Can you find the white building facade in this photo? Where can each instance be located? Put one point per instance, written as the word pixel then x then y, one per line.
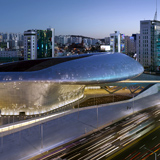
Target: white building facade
pixel 39 43
pixel 115 42
pixel 148 52
pixel 30 45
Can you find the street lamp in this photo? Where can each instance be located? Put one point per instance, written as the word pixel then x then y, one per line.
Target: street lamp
pixel 133 102
pixel 78 104
pixel 41 137
pixel 152 152
pixel 96 108
pixel 97 115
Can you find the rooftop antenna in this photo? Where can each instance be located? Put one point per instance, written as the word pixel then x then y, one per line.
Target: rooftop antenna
pixel 155 16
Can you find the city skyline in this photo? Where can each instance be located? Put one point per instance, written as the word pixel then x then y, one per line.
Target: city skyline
pixel 96 19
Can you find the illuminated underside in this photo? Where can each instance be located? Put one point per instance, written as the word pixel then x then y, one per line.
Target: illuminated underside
pixel 36 97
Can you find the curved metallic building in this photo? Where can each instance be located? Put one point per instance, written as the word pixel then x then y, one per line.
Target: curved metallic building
pixel 39 86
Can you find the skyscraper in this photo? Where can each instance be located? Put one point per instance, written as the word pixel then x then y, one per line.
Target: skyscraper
pixel 130 45
pixel 30 44
pixel 117 42
pixel 148 52
pixel 38 44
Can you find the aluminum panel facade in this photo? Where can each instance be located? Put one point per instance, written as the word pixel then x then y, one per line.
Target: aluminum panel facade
pixel 36 92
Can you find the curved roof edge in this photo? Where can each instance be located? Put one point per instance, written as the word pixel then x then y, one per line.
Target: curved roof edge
pixel 85 69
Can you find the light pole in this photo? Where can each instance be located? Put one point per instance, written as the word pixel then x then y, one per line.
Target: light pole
pixel 20 137
pixel 41 137
pixel 78 105
pixel 152 152
pixel 97 115
pixel 133 102
pixel 96 109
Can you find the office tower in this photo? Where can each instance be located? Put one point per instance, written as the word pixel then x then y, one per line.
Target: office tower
pixel 138 46
pixel 117 42
pixel 30 44
pixel 122 43
pixel 38 44
pixel 45 43
pixel 130 45
pixel 5 37
pixel 148 52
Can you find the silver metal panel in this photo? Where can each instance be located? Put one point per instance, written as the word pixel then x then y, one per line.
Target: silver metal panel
pixel 36 97
pixel 97 68
pixel 44 90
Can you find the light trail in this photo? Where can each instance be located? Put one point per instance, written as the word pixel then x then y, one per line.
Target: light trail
pixel 74 156
pixel 135 156
pixel 101 142
pixel 134 119
pixel 89 154
pixel 138 128
pixel 108 153
pixel 95 154
pixel 130 155
pixel 126 129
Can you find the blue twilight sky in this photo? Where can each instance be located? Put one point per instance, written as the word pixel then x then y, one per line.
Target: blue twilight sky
pixel 94 18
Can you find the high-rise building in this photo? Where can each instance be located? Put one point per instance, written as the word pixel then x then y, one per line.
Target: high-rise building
pixel 148 52
pixel 6 37
pixel 38 44
pixel 76 39
pixel 122 43
pixel 117 42
pixel 45 43
pixel 1 38
pixel 138 47
pixel 62 39
pixel 130 45
pixel 30 45
pixel 89 41
pixel 107 40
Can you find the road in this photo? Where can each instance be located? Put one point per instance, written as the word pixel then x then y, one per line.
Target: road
pixel 111 139
pixel 142 149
